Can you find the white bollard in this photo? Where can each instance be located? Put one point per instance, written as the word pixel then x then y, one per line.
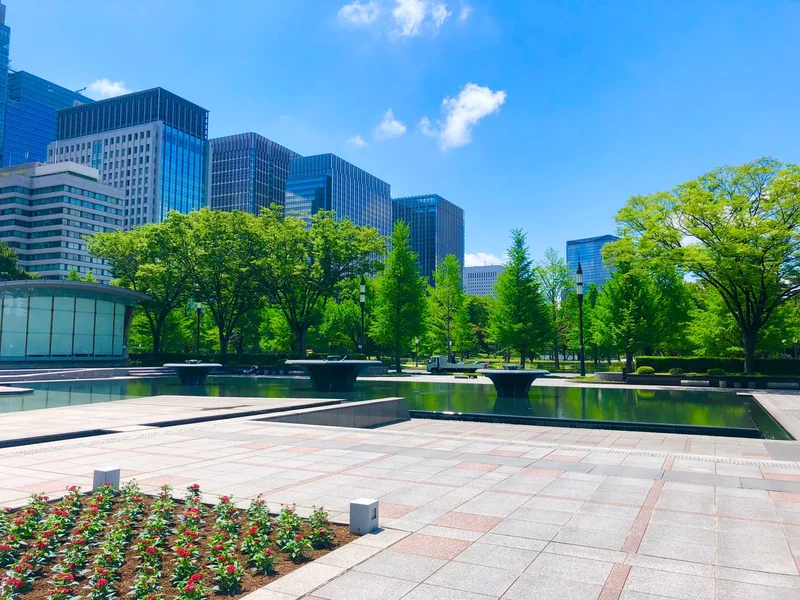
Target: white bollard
pixel 105 475
pixel 363 516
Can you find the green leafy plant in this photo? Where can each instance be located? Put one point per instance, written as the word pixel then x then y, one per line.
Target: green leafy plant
pixel 716 372
pixel 645 371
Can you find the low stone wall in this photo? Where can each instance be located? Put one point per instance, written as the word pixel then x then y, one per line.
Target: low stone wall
pixel 369 413
pixel 609 376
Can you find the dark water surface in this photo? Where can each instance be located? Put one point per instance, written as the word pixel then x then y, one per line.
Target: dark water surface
pixel 640 406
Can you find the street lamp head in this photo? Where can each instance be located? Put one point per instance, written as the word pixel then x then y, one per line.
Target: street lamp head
pixel 363 289
pixel 579 279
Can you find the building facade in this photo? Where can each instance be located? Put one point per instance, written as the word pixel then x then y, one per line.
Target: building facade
pixel 52 321
pixel 479 281
pixel 5 43
pixel 31 116
pixel 151 145
pixel 589 252
pixel 437 229
pixel 45 212
pixel 326 182
pixel 248 172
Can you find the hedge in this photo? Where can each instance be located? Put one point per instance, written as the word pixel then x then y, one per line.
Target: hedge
pixel 701 364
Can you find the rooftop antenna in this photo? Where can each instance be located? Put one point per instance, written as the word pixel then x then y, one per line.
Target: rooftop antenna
pixel 83 89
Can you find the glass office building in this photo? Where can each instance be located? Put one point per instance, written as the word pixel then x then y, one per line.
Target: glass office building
pixel 47 321
pixel 326 182
pixel 5 42
pixel 248 172
pixel 589 252
pixel 437 229
pixel 31 116
pixel 153 145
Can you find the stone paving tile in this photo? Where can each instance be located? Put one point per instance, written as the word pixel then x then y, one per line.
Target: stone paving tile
pixel 551 587
pixel 734 590
pixel 431 546
pixel 472 578
pixel 400 565
pixel 670 585
pixel 355 585
pixel 468 521
pixel 432 592
pixel 526 529
pixel 500 557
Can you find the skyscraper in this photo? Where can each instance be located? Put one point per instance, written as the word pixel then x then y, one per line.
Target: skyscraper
pixel 437 229
pixel 31 116
pixel 5 41
pixel 589 251
pixel 248 172
pixel 151 144
pixel 48 209
pixel 326 182
pixel 479 281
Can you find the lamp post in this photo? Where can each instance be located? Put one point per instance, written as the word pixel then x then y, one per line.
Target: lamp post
pixel 579 288
pixel 362 301
pixel 199 308
pixel 416 351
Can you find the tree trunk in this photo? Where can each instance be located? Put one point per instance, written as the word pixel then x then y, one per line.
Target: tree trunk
pixel 629 360
pixel 223 344
pixel 749 343
pixel 301 341
pixel 397 367
pixel 522 358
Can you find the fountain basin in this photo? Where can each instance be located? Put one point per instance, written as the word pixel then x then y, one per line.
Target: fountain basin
pixel 193 374
pixel 333 375
pixel 512 383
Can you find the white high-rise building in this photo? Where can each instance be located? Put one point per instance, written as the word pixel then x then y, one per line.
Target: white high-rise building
pixel 479 281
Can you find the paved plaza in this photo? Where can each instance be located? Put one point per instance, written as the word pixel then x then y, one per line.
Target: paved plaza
pixel 476 511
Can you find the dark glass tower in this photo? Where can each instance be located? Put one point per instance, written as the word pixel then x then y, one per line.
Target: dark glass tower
pixel 437 229
pixel 248 172
pixel 5 41
pixel 31 116
pixel 326 182
pixel 589 252
pixel 152 144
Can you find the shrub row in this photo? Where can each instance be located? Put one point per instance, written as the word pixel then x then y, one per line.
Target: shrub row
pixel 702 364
pixel 228 360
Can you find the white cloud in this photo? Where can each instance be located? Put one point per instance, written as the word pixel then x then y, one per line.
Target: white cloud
pixel 466 11
pixel 356 142
pixel 360 14
pixel 480 259
pixel 408 16
pixel 462 113
pixel 389 127
pixel 439 15
pixel 105 88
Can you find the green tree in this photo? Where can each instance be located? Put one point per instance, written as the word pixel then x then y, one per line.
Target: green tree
pixel 478 311
pixel 400 306
pixel 520 319
pixel 556 281
pixel 300 266
pixel 736 229
pixel 73 275
pixel 216 250
pixel 341 322
pixel 143 259
pixel 448 321
pixel 626 312
pixel 9 271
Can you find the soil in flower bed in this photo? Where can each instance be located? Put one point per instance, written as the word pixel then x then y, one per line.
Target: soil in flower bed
pixel 116 544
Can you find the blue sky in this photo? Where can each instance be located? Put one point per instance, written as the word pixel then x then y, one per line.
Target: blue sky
pixel 573 107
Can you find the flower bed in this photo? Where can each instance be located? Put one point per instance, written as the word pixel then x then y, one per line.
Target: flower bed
pixel 121 543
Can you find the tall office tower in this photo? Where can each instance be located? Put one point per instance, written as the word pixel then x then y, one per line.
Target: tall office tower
pixel 31 116
pixel 437 229
pixel 45 212
pixel 5 41
pixel 589 251
pixel 153 145
pixel 326 182
pixel 248 172
pixel 479 281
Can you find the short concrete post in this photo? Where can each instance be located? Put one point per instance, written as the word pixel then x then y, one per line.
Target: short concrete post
pixel 104 476
pixel 363 516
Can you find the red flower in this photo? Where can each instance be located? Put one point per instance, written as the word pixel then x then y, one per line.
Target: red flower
pixel 220 558
pixel 218 547
pixel 73 488
pixel 102 570
pixel 183 552
pixel 4 547
pixel 101 582
pixel 15 583
pixel 230 569
pixel 195 577
pixel 224 500
pixel 253 530
pixel 298 538
pixel 62 590
pixel 19 521
pixel 190 588
pixel 151 550
pixel 194 486
pixel 269 552
pixel 79 542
